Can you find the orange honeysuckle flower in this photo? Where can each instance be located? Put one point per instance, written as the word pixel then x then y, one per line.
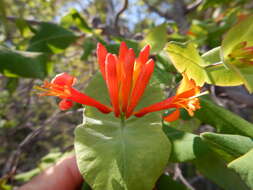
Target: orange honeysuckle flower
pixel 186 97
pixel 242 53
pixel 190 33
pixel 126 78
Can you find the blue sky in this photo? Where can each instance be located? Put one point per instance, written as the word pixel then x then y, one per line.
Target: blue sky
pixel 135 12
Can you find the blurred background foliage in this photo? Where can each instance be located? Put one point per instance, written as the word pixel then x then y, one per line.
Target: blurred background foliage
pixel 41 38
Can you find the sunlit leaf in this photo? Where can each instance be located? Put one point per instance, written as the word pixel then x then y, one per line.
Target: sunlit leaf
pixel 217 73
pixel 23 27
pixel 112 154
pixel 244 167
pixel 221 76
pixel 229 147
pixel 156 37
pixel 74 18
pixel 185 58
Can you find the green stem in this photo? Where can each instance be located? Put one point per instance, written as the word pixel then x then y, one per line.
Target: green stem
pixel 123 119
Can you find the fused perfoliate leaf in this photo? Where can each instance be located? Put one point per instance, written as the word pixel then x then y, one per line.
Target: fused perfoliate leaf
pixel 113 155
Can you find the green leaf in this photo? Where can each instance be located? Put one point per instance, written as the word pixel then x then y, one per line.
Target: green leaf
pixel 229 147
pixel 23 64
pixel 223 120
pixel 26 176
pixel 185 122
pixel 23 27
pixel 212 3
pixel 115 155
pixel 166 182
pixel 215 169
pixel 45 162
pixel 185 146
pixel 12 84
pixel 85 186
pixel 185 58
pixel 164 70
pixel 3 16
pixel 88 47
pixel 51 38
pixel 156 37
pixel 244 167
pixel 74 18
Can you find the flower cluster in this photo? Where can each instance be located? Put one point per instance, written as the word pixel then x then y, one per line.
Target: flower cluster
pixel 126 78
pixel 242 53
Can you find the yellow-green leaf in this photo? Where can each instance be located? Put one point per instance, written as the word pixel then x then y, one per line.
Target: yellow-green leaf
pixel 156 37
pixel 185 58
pixel 244 167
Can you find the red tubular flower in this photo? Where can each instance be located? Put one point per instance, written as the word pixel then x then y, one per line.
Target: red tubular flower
pixel 186 97
pixel 62 87
pixel 112 81
pixel 126 78
pixel 101 53
pixel 140 86
pixel 128 66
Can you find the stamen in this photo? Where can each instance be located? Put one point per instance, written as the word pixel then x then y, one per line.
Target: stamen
pixel 200 94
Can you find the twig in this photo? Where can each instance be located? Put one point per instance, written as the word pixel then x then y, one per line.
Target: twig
pixel 12 161
pixel 157 11
pixel 192 6
pixel 214 97
pixel 196 179
pixel 178 174
pixel 116 22
pixel 177 13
